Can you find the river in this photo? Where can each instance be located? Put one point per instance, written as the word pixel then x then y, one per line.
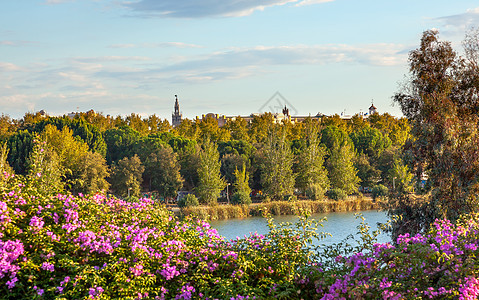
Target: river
pixel 339 224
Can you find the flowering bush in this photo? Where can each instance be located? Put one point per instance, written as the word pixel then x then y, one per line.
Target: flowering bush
pixel 97 247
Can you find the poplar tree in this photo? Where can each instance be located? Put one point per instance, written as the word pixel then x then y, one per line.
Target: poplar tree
pixel 312 176
pixel 210 181
pixel 277 175
pixel 341 170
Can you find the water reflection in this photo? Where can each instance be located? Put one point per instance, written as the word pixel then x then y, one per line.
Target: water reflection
pixel 339 224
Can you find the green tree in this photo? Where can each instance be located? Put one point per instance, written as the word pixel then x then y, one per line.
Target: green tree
pixel 126 176
pixel 260 127
pixel 367 173
pixel 162 171
pixel 238 129
pixel 20 145
pixel 136 122
pixel 92 176
pixel 277 174
pixel 4 166
pixel 119 142
pixel 370 141
pixel 332 135
pixel 341 170
pixel 312 176
pixel 441 103
pixel 88 133
pixel 241 183
pixel 7 127
pixel 210 182
pixel 401 177
pixel 45 170
pixel 70 152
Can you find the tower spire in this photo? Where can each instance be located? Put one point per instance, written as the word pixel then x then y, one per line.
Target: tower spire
pixel 176 116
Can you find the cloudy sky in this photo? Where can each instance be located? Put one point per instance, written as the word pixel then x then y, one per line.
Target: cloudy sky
pixel 224 56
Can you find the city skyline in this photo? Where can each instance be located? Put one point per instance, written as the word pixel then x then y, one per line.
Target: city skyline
pixel 227 57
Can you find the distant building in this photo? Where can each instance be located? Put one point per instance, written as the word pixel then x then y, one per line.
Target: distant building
pixel 372 109
pixel 221 119
pixel 176 117
pixel 43 113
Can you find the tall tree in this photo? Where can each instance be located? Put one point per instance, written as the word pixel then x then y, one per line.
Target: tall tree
pixel 277 174
pixel 210 182
pixel 241 184
pixel 312 176
pixel 126 176
pixel 93 172
pixel 341 170
pixel 162 171
pixel 441 102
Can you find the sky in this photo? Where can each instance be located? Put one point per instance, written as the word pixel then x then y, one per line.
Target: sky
pixel 230 57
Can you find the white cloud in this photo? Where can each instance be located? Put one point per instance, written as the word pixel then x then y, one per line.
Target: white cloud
pixel 102 59
pixel 310 2
pixel 156 45
pixel 208 8
pixel 16 43
pixel 237 63
pixel 5 66
pixel 51 2
pixel 462 21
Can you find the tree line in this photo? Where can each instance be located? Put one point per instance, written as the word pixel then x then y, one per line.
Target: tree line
pixel 130 155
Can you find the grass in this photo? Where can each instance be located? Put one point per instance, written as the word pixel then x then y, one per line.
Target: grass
pixel 221 212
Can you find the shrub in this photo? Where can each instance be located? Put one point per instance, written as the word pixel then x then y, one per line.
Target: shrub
pixel 336 194
pixel 241 198
pixel 380 191
pixel 290 198
pixel 188 201
pixel 315 191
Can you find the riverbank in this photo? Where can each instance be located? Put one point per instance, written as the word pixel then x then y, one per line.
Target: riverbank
pixel 226 211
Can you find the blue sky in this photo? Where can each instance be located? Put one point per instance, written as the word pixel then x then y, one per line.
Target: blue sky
pixel 223 56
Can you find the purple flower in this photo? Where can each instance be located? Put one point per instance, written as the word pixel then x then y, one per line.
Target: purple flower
pixel 36 222
pixel 48 267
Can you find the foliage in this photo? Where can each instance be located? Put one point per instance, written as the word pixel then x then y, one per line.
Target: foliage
pixel 240 197
pixel 277 173
pixel 401 177
pixel 119 142
pixel 341 170
pixel 45 170
pixel 312 177
pixel 70 152
pixel 440 101
pixel 126 176
pixel 93 173
pixel 336 194
pixel 367 173
pixel 380 191
pixel 162 170
pixel 20 145
pixel 4 166
pixel 241 181
pixel 87 132
pixel 189 200
pixel 210 182
pixel 370 141
pixel 67 247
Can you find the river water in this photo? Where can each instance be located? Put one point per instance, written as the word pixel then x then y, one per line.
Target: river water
pixel 339 224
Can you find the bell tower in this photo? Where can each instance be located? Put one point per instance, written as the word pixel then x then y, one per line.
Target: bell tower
pixel 176 117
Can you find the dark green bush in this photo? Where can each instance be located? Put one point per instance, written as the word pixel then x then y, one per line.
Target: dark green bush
pixel 290 198
pixel 188 201
pixel 336 194
pixel 240 198
pixel 315 191
pixel 380 191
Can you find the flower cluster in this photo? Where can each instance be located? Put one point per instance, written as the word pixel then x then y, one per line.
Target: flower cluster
pixel 99 247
